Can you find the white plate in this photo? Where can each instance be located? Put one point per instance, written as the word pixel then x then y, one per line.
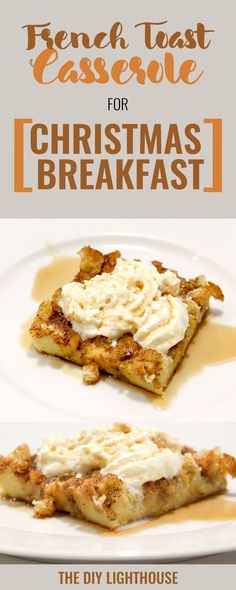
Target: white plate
pixel 34 377
pixel 66 539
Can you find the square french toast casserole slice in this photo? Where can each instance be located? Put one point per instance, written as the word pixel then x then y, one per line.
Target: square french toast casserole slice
pixel 113 476
pixel 139 357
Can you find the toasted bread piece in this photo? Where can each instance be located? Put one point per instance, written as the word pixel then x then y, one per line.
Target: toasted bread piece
pixel 126 360
pixel 19 477
pixel 105 499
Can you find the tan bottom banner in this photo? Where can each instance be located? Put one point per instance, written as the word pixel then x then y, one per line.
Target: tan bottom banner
pixel 104 576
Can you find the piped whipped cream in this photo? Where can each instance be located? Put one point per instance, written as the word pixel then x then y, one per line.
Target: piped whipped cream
pixel 133 298
pixel 130 452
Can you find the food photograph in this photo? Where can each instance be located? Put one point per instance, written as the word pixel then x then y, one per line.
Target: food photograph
pixel 116 324
pixel 119 342
pixel 77 492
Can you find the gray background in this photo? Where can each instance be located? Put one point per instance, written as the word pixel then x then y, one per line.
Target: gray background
pixel 212 96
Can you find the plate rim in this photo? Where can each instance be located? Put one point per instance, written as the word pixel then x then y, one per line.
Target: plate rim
pixel 103 235
pixel 128 554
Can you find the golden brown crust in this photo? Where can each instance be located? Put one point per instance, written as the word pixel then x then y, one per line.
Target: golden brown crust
pixel 230 464
pixel 210 463
pixel 20 461
pixel 51 322
pixel 93 262
pixel 45 507
pixel 91 373
pixel 19 477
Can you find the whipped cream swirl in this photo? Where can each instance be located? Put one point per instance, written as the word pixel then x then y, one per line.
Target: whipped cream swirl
pixel 133 298
pixel 136 455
